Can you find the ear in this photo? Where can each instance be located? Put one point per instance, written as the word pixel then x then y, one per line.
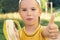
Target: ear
pixel 40 12
pixel 20 14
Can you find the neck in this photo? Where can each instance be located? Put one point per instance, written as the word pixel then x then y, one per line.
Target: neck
pixel 31 28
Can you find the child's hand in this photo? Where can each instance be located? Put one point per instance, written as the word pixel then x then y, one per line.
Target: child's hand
pixel 16 33
pixel 52 28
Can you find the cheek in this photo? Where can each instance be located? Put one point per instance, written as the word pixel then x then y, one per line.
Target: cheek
pixel 23 16
pixel 36 13
pixel 36 16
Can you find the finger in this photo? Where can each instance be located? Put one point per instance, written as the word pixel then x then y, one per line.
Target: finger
pixel 53 31
pixel 53 36
pixel 53 26
pixel 16 32
pixel 15 29
pixel 52 18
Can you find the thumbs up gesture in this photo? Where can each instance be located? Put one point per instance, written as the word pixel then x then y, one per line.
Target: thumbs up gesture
pixel 52 29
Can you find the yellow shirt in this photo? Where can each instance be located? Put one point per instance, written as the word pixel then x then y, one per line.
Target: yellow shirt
pixel 36 35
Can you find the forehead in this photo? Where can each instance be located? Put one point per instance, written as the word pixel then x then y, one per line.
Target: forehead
pixel 29 3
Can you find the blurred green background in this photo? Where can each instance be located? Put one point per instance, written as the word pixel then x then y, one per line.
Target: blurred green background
pixel 9 10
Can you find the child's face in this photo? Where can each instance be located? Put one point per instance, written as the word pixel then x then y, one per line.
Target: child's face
pixel 29 11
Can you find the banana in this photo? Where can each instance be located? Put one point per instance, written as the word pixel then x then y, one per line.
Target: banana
pixel 8 29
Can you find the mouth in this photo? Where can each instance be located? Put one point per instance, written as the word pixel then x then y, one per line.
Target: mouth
pixel 29 19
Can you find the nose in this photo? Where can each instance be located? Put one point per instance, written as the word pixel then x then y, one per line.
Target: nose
pixel 29 13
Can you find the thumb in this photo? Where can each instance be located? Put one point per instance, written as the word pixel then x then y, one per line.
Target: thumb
pixel 52 19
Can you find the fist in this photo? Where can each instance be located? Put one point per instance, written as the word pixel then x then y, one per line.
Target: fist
pixel 52 28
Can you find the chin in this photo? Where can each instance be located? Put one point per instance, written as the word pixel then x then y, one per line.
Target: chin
pixel 30 24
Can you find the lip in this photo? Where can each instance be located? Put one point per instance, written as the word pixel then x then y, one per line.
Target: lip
pixel 29 19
